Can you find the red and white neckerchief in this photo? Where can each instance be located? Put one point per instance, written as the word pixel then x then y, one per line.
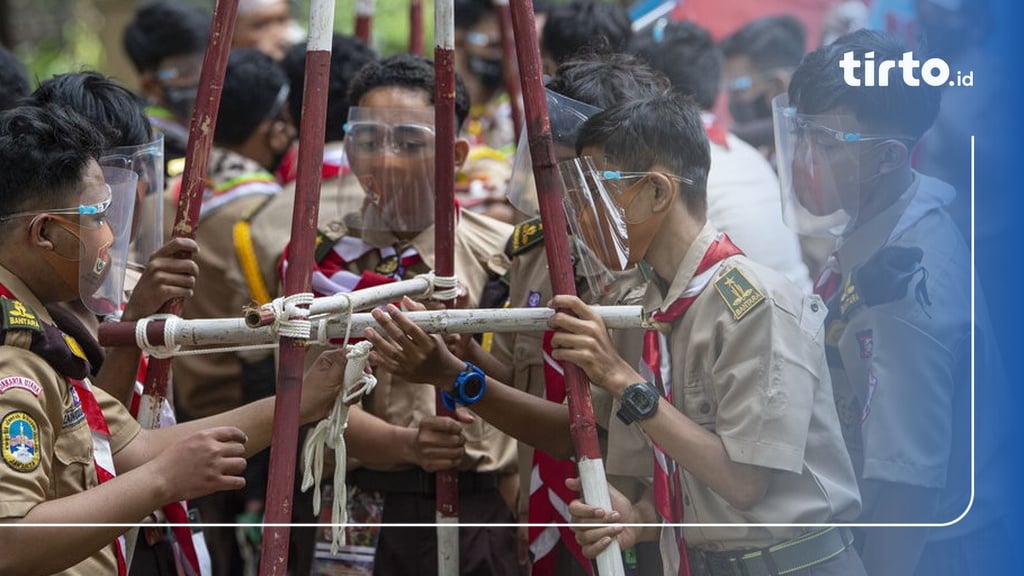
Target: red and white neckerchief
pixel 828 281
pixel 716 131
pixel 190 545
pixel 668 485
pixel 549 498
pixel 102 456
pixel 335 165
pixel 331 275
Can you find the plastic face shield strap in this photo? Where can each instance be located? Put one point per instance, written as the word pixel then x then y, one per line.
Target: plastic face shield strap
pixel 567 116
pixel 104 249
pixel 391 153
pixel 147 161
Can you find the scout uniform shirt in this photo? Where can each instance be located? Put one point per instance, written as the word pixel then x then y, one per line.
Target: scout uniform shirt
pixel 209 384
pixel 46 442
pixel 899 360
pixel 749 366
pixel 477 239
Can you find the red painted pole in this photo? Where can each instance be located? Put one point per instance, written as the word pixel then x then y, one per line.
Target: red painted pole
pixel 510 66
pixel 197 159
pixel 416 27
pixel 274 555
pixel 447 485
pixel 556 243
pixel 364 19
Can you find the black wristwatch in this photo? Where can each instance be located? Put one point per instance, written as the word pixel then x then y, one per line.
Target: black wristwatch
pixel 469 387
pixel 639 402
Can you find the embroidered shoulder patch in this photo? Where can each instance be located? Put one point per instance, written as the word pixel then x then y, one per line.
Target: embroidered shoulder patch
pixel 525 236
pixel 19 435
pixel 739 294
pixel 13 382
pixel 17 316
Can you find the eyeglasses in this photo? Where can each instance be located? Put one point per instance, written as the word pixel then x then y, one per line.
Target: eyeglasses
pixel 374 138
pixel 819 134
pixel 619 183
pixel 97 212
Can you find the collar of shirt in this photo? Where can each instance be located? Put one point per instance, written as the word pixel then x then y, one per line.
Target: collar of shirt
pixel 688 266
pixel 24 294
pixel 868 238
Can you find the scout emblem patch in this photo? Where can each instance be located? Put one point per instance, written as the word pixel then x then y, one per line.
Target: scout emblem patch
pixel 16 316
pixel 533 300
pixel 11 382
pixel 74 414
pixel 387 266
pixel 739 294
pixel 867 343
pixel 19 435
pixel 526 235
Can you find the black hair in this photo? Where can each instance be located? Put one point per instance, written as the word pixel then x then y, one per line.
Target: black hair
pixel 163 29
pixel 409 72
pixel 43 156
pixel 770 42
pixel 13 80
pixel 686 54
pixel 663 130
pixel 252 85
pixel 583 26
pixel 111 108
pixel 348 55
pixel 607 79
pixel 469 13
pixel 818 87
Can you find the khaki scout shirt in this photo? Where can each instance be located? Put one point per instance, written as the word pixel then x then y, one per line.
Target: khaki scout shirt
pixel 903 361
pixel 209 384
pixel 33 394
pixel 477 239
pixel 760 383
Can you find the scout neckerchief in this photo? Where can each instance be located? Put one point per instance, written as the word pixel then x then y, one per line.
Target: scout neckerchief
pixel 232 176
pixel 335 165
pixel 668 486
pixel 63 354
pixel 716 132
pixel 331 273
pixel 549 498
pixel 190 543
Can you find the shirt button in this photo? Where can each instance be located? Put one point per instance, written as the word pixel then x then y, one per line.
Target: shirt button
pixel 686 499
pixel 814 307
pixel 705 408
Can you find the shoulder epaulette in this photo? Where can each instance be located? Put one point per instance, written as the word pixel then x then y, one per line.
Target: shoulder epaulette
pixel 525 236
pixel 58 349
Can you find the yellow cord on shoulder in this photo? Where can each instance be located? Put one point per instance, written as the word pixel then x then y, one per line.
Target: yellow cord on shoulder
pixel 242 236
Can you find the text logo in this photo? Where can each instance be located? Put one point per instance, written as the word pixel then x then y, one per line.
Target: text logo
pixel 869 73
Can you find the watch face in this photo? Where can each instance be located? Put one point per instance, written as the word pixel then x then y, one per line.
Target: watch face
pixel 642 402
pixel 472 386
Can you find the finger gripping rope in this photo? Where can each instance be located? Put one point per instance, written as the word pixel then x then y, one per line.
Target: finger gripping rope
pixel 330 432
pixel 444 287
pixel 170 347
pixel 291 315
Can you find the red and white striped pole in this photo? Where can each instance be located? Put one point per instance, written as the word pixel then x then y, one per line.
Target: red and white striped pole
pixel 510 66
pixel 292 351
pixel 364 19
pixel 556 244
pixel 444 258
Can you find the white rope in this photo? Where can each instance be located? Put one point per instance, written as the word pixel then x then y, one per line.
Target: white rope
pixel 170 347
pixel 330 432
pixel 291 315
pixel 444 287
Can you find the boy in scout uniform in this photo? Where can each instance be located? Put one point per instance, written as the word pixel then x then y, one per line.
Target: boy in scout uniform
pixel 71 453
pixel 899 335
pixel 734 393
pixel 390 148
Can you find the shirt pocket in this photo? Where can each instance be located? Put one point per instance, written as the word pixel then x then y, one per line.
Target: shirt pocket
pixel 73 461
pixel 698 399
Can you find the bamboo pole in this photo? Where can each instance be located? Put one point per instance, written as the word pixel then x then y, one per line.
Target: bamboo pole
pixel 416 27
pixel 556 244
pixel 364 19
pixel 209 332
pixel 280 484
pixel 447 485
pixel 510 65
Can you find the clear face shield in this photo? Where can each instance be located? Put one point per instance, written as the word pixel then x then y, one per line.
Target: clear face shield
pixel 604 207
pixel 566 116
pixel 820 171
pixel 147 226
pixel 391 153
pixel 105 234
